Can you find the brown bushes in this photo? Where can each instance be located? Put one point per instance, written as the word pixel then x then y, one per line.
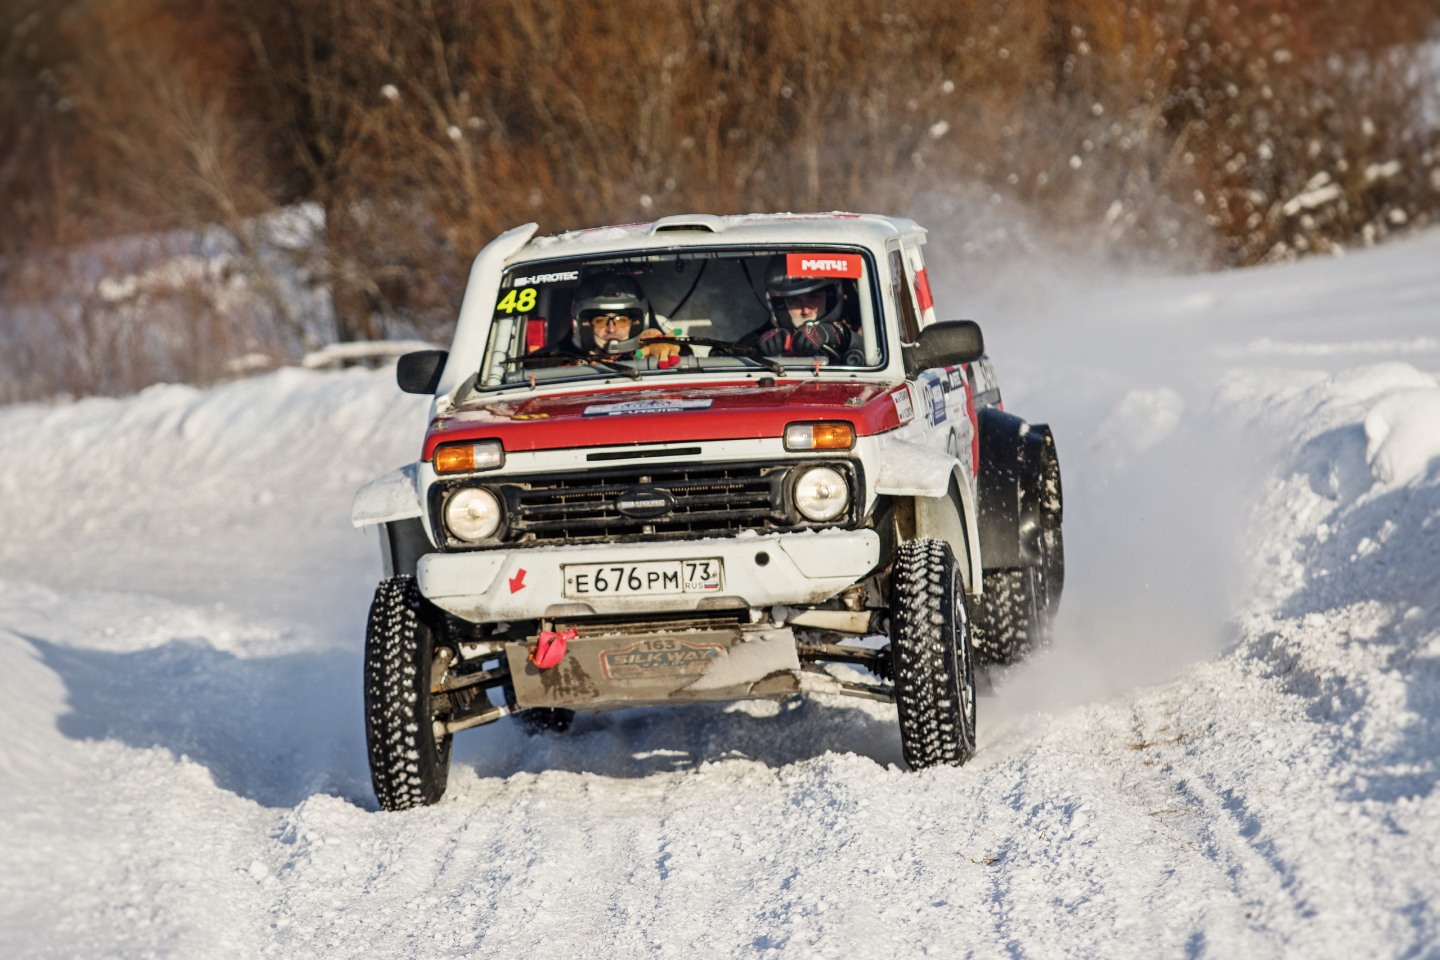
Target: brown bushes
pixel 1212 132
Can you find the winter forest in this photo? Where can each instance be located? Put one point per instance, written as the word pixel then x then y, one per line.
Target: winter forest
pixel 194 190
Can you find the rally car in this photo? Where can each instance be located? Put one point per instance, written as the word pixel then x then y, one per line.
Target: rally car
pixel 704 458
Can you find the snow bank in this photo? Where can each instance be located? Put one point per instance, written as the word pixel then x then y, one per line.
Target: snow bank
pixel 193 494
pixel 1402 435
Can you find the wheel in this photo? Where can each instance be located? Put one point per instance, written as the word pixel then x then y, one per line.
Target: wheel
pixel 409 761
pixel 1052 539
pixel 930 649
pixel 1013 618
pixel 1019 604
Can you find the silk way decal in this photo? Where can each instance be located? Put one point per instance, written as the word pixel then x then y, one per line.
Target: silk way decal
pixel 643 406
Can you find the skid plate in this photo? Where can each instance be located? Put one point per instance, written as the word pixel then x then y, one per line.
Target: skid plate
pixel 692 666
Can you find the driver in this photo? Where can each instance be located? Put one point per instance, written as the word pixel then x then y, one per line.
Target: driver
pixel 805 316
pixel 608 308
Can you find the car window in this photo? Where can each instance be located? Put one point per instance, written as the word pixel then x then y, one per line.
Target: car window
pixel 740 308
pixel 900 287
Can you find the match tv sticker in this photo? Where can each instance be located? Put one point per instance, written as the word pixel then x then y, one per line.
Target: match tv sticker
pixel 643 406
pixel 846 265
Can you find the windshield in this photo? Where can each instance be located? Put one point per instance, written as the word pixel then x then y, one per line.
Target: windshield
pixel 639 315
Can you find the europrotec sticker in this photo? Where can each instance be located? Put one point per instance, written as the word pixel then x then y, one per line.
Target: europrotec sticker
pixel 565 276
pixel 643 406
pixel 844 265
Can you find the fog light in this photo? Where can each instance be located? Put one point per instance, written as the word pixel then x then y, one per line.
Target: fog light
pixel 821 494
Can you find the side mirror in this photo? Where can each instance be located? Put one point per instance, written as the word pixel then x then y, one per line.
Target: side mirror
pixel 945 345
pixel 419 372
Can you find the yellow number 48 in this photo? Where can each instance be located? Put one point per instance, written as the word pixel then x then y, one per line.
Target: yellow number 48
pixel 522 300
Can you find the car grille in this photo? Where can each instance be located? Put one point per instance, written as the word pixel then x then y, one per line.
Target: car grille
pixel 709 501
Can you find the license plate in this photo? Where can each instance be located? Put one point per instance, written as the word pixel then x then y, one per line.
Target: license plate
pixel 642 579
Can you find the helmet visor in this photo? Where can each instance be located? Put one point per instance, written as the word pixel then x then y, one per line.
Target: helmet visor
pixel 601 320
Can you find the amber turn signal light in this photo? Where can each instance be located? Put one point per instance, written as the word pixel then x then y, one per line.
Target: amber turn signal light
pixel 819 436
pixel 469 457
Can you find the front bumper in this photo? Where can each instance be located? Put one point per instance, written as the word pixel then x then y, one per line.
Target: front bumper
pixel 487 586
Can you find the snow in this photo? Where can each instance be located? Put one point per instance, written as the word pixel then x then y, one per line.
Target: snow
pixel 1402 435
pixel 1231 750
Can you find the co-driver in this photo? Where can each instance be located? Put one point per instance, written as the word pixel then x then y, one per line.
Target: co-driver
pixel 805 316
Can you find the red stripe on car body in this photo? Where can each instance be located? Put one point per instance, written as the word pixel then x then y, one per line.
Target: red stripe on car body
pixel 922 290
pixel 733 411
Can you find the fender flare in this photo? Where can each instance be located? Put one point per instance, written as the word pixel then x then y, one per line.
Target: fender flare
pixel 390 504
pixel 1010 484
pixel 951 517
pixel 402 545
pixel 392 496
pixel 944 503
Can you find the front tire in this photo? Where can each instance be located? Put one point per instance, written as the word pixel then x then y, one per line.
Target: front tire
pixel 933 662
pixel 409 762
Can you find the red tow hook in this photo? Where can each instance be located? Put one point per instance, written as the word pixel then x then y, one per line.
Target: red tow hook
pixel 549 647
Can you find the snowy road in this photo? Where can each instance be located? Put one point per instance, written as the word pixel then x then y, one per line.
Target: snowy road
pixel 1231 751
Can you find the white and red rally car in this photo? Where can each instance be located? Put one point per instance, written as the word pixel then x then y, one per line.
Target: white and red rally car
pixel 703 459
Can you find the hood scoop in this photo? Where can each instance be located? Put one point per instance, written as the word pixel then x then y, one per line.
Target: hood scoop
pixel 701 222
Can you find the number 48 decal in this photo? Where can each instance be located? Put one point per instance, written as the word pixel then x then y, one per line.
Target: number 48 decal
pixel 522 300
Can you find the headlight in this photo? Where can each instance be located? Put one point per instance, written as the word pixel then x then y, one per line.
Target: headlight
pixel 821 494
pixel 473 514
pixel 469 457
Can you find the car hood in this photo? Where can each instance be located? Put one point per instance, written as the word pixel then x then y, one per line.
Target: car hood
pixel 750 409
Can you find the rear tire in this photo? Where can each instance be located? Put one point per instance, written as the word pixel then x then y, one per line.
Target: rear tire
pixel 1019 604
pixel 932 658
pixel 1013 618
pixel 409 763
pixel 1052 515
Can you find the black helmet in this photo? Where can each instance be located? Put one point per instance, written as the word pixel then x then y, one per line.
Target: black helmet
pixel 779 286
pixel 607 293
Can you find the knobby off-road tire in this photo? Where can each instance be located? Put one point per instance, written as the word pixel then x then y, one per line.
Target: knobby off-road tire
pixel 1013 616
pixel 930 647
pixel 1052 538
pixel 1019 604
pixel 409 764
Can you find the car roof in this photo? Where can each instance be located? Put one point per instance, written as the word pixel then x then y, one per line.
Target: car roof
pixel 708 230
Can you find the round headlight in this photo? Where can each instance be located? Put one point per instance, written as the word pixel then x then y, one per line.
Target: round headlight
pixel 473 514
pixel 821 494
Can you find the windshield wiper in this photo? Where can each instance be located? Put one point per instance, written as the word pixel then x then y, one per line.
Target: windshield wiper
pixel 565 359
pixel 729 348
